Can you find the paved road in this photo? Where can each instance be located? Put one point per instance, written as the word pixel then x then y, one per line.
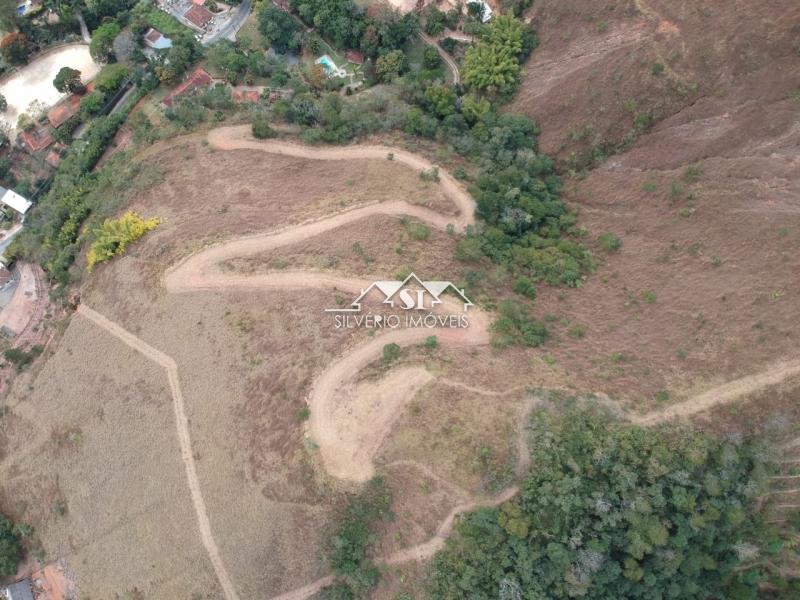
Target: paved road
pixel 445 56
pixel 234 24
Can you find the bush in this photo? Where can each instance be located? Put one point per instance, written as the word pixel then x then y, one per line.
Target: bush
pixel 10 548
pixel 261 128
pixel 20 358
pixel 391 352
pixel 609 242
pixel 524 286
pixel 431 342
pixel 110 78
pixel 347 546
pixel 417 231
pixel 516 326
pixel 115 235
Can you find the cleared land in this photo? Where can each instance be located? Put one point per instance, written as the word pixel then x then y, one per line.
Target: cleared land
pixel 34 81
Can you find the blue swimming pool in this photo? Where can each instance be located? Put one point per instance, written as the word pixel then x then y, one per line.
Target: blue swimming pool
pixel 327 63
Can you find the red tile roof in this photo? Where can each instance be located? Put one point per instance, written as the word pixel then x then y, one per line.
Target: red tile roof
pixel 354 56
pixel 241 94
pixel 198 78
pixel 37 139
pixel 64 110
pixel 198 15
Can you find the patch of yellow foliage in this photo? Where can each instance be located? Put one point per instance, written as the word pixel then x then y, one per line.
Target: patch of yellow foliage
pixel 114 236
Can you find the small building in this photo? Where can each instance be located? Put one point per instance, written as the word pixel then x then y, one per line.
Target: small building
pixel 199 78
pixel 63 111
pixel 354 56
pixel 36 139
pixel 156 40
pixel 242 94
pixel 199 16
pixel 17 591
pixel 14 200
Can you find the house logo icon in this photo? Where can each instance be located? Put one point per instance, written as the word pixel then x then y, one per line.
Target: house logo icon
pixel 409 294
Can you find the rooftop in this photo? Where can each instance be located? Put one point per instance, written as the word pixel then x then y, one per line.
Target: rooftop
pixel 157 40
pixel 198 78
pixel 36 139
pixel 198 16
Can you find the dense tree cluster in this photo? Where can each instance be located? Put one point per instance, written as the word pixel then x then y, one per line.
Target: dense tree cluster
pixel 102 45
pixel 347 25
pixel 614 511
pixel 280 30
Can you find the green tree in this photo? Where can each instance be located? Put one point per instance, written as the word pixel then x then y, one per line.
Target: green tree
pixel 278 28
pixel 69 80
pixel 111 77
pixel 3 103
pixel 102 45
pixel 261 128
pixel 493 64
pixel 441 100
pixel 14 48
pixel 391 65
pixel 613 510
pixel 10 548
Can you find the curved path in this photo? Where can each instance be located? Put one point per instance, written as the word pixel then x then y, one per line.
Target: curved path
pixel 201 271
pixel 445 56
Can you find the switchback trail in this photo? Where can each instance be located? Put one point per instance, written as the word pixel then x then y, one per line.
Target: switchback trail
pixel 201 272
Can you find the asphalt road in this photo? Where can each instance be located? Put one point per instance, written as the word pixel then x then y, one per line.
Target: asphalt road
pixel 233 25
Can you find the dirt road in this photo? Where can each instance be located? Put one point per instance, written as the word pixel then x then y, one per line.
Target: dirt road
pixel 722 394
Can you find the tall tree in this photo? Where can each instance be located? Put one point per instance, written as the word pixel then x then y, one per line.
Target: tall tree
pixel 14 48
pixel 69 80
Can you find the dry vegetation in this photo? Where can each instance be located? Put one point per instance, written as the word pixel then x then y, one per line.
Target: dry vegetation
pixel 702 195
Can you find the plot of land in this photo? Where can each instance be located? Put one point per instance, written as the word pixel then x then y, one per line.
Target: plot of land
pixel 34 81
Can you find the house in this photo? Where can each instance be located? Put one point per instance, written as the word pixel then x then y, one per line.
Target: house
pixel 199 16
pixel 199 78
pixel 36 139
pixel 14 200
pixel 61 112
pixel 17 591
pixel 242 94
pixel 156 40
pixel 354 56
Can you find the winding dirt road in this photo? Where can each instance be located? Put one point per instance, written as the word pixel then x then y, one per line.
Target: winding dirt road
pixel 201 272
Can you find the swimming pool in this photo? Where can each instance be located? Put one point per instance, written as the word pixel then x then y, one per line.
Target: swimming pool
pixel 331 70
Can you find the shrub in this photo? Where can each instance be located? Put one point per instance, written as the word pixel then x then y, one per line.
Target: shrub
pixel 516 326
pixel 20 358
pixel 391 352
pixel 418 231
pixel 347 546
pixel 649 296
pixel 303 414
pixel 111 77
pixel 431 342
pixel 577 331
pixel 524 286
pixel 115 235
pixel 609 242
pixel 261 128
pixel 10 548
